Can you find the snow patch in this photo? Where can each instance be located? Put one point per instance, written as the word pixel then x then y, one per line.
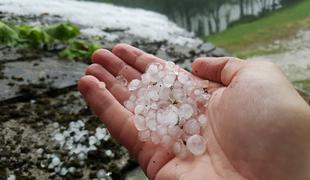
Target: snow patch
pixel 94 17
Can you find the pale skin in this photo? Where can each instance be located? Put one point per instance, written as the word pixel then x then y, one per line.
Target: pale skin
pixel 258 128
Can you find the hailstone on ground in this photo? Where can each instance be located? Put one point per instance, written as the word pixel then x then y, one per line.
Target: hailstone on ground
pixel 169 105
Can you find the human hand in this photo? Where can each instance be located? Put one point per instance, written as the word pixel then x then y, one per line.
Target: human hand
pixel 243 143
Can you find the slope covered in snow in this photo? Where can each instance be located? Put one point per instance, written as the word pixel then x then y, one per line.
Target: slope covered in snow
pixel 94 17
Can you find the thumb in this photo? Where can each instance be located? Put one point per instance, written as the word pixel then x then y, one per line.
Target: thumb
pixel 221 70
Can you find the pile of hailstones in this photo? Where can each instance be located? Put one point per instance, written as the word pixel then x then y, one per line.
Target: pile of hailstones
pixel 78 142
pixel 169 105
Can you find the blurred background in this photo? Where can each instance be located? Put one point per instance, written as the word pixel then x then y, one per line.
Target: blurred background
pixel 48 132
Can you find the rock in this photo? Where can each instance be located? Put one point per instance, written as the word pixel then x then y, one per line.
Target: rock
pixel 38 76
pixel 163 54
pixel 136 174
pixel 219 52
pixel 14 54
pixel 206 48
pixel 180 51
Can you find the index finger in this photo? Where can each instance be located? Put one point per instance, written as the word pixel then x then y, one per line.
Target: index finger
pixel 135 57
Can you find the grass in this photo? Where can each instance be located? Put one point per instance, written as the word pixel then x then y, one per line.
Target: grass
pixel 304 84
pixel 246 40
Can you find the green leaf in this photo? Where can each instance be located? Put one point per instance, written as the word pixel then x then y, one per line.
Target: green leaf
pixel 7 34
pixel 34 35
pixel 79 50
pixel 63 31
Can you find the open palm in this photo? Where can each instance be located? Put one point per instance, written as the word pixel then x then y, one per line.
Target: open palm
pixel 245 139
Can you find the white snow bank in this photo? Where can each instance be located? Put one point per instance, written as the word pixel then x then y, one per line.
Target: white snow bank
pixel 97 16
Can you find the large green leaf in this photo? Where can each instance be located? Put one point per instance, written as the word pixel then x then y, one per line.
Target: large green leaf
pixel 63 31
pixel 79 50
pixel 34 35
pixel 7 34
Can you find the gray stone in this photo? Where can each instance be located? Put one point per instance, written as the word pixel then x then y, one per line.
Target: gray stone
pixel 206 48
pixel 163 55
pixel 13 54
pixel 40 75
pixel 219 52
pixel 136 174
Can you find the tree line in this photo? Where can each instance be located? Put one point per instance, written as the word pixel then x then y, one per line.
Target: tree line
pixel 183 11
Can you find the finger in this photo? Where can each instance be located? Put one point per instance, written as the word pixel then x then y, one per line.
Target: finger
pixel 114 64
pixel 118 90
pixel 135 57
pixel 117 119
pixel 221 70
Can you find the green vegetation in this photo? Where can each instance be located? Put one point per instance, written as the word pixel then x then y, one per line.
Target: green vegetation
pixel 304 84
pixel 45 37
pixel 247 39
pixel 7 34
pixel 79 50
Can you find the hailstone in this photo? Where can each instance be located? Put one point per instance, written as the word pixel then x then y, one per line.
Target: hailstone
pixel 169 106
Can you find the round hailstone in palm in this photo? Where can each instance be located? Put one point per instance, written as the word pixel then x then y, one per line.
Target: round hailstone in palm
pixel 164 93
pixel 198 92
pixel 132 97
pixel 161 130
pixel 154 106
pixel 139 109
pixel 144 135
pixel 130 105
pixel 155 138
pixel 153 94
pixel 140 123
pixel 183 77
pixel 169 65
pixel 175 131
pixel 186 111
pixel 202 119
pixel 101 85
pixel 146 78
pixel 169 79
pixel 178 94
pixel 151 124
pixel 171 118
pixel 152 69
pixel 192 127
pixel 196 144
pixel 134 85
pixel 122 80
